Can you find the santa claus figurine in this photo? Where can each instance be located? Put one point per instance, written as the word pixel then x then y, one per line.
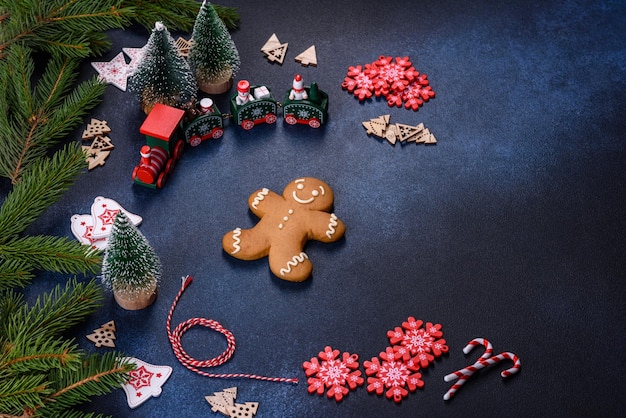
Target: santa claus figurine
pixel 297 89
pixel 243 93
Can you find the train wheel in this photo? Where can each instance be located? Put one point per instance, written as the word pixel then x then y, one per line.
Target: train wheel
pixel 135 172
pixel 291 119
pixel 314 123
pixel 247 124
pixel 271 118
pixel 178 149
pixel 195 140
pixel 217 133
pixel 161 180
pixel 169 166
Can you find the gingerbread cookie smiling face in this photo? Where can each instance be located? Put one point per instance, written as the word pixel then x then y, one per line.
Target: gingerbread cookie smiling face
pixel 287 223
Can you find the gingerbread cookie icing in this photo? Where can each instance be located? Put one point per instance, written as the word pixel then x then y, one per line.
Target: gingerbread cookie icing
pixel 286 223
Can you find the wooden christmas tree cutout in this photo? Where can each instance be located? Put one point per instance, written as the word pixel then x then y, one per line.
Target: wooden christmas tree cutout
pixel 274 50
pixel 103 336
pixel 224 403
pixel 101 146
pixel 183 46
pixel 94 128
pixel 271 44
pixel 398 132
pixel 308 57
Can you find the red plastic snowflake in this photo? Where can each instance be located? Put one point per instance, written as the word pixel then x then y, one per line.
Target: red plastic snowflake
pixel 359 82
pixel 333 373
pixel 392 376
pixel 394 79
pixel 413 343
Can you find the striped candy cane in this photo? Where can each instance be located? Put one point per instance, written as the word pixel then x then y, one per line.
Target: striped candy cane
pixel 469 370
pixel 484 361
pixel 192 364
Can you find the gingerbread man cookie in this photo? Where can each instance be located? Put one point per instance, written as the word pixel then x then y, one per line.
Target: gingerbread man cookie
pixel 287 223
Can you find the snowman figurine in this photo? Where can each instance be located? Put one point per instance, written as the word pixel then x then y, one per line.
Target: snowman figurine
pixel 243 93
pixel 297 89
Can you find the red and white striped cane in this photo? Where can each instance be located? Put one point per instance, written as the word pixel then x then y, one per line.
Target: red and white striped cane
pixel 484 361
pixel 192 364
pixel 469 370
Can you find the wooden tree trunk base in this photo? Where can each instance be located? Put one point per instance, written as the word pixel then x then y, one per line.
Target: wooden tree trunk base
pixel 136 301
pixel 216 88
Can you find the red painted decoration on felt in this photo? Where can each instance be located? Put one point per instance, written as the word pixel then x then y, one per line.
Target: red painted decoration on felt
pixel 394 79
pixel 332 373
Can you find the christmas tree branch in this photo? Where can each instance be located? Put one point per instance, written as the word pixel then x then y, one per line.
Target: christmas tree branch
pixel 51 314
pixel 75 28
pixel 99 375
pixel 38 118
pixel 40 186
pixel 62 26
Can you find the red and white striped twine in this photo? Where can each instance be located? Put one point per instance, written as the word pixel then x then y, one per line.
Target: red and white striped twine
pixel 484 361
pixel 192 364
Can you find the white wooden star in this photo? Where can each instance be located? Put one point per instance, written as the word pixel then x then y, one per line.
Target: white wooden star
pixel 135 55
pixel 113 72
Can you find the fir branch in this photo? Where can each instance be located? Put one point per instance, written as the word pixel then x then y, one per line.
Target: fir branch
pixel 76 28
pixel 51 314
pixel 15 274
pixel 40 355
pixel 40 186
pixel 97 376
pixel 62 27
pixel 50 253
pixel 36 120
pixel 18 391
pixel 181 17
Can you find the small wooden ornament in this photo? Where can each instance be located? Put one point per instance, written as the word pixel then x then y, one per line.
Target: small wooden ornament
pixel 97 159
pixel 247 409
pixel 102 143
pixel 407 132
pixel 271 44
pixel 308 57
pixel 224 403
pixel 183 46
pixel 104 336
pixel 399 132
pixel 278 54
pixel 431 138
pixel 94 128
pixel 391 135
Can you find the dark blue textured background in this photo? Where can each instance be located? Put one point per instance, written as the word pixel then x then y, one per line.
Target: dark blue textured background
pixel 510 228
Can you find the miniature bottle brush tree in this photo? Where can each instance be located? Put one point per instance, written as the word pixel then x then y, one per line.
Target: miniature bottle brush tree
pixel 213 57
pixel 131 267
pixel 163 75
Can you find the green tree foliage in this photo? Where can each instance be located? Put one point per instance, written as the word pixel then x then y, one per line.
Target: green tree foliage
pixel 130 264
pixel 42 374
pixel 76 28
pixel 163 75
pixel 213 56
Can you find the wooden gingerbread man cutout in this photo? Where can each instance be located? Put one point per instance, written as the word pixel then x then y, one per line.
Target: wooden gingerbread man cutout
pixel 286 223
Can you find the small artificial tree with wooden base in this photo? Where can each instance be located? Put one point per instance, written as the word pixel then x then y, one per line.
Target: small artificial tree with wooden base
pixel 213 57
pixel 163 75
pixel 131 267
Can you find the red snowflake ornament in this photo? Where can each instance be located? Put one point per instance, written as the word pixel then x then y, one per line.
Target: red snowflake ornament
pixel 396 80
pixel 421 345
pixel 359 82
pixel 392 376
pixel 332 373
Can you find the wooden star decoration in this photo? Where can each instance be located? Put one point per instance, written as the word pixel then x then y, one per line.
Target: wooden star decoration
pixel 113 72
